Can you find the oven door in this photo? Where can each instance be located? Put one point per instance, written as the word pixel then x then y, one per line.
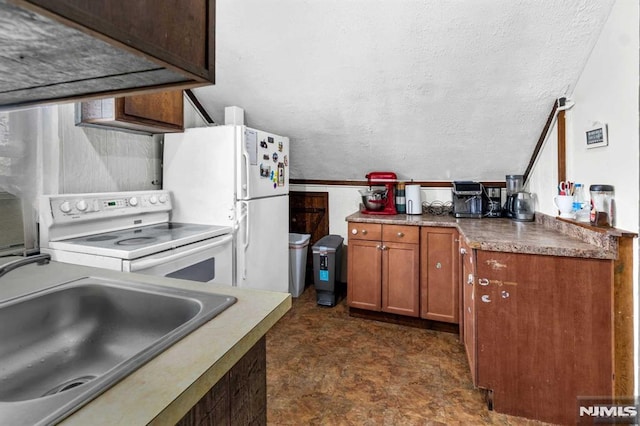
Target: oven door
pixel 205 261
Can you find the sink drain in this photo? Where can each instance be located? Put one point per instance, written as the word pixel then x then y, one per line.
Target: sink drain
pixel 69 384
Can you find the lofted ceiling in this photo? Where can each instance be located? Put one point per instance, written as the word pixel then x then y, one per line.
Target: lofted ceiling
pixel 431 89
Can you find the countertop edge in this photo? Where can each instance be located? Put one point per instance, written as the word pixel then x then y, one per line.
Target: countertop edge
pixel 185 401
pixel 568 244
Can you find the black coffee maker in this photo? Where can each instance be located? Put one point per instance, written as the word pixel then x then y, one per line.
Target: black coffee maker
pixel 491 201
pixel 515 184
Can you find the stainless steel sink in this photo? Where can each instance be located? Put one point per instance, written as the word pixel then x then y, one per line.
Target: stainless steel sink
pixel 63 346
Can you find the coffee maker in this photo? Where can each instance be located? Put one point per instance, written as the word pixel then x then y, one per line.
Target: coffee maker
pixel 382 200
pixel 491 202
pixel 519 205
pixel 515 184
pixel 467 199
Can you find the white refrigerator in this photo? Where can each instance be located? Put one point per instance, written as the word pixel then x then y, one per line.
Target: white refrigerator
pixel 237 176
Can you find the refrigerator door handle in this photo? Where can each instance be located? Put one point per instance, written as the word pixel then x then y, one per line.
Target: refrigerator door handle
pixel 245 177
pixel 245 241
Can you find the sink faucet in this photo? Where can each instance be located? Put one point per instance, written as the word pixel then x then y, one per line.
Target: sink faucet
pixel 40 259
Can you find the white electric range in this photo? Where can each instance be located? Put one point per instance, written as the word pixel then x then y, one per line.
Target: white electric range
pixel 131 232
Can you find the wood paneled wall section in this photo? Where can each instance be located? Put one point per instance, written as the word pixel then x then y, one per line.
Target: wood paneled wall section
pixel 623 318
pixel 309 214
pixel 562 147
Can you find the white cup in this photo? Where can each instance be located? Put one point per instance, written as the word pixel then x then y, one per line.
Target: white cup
pixel 564 203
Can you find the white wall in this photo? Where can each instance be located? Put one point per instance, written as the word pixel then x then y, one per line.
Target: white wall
pixel 99 160
pixel 607 92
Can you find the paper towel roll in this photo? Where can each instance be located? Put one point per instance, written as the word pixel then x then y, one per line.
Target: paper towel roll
pixel 414 203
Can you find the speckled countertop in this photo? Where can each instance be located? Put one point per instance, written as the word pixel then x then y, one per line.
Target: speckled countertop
pixel 162 390
pixel 506 235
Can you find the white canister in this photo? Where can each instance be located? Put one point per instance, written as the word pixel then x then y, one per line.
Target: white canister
pixel 414 202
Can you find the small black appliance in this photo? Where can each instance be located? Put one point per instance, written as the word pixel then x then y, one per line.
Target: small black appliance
pixel 467 199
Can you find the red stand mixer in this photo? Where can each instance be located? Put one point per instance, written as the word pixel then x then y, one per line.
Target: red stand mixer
pixel 380 201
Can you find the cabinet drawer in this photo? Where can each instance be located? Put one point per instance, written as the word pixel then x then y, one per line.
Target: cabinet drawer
pixel 401 234
pixel 365 231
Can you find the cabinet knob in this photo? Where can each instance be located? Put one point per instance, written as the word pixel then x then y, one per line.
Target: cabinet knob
pixel 463 250
pixel 354 231
pixel 384 248
pixel 470 279
pixel 400 234
pixel 438 265
pixel 364 232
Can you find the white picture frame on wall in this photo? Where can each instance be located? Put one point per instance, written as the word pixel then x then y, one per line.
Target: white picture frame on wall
pixel 597 136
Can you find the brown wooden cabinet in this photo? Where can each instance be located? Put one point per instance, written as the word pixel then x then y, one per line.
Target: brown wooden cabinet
pixel 149 113
pixel 80 49
pixel 239 397
pixel 439 270
pixel 401 270
pixel 468 320
pixel 383 268
pixel 543 332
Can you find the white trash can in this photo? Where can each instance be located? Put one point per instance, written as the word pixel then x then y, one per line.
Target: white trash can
pixel 298 246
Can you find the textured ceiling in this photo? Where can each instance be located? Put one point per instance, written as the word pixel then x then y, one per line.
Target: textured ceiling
pixel 430 89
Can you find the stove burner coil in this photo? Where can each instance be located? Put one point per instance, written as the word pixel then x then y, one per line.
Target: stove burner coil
pixel 135 241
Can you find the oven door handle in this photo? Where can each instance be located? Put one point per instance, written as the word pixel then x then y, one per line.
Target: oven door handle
pixel 140 265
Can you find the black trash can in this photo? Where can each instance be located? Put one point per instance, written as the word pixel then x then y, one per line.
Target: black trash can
pixel 327 261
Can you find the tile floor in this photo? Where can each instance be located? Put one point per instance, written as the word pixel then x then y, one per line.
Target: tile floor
pixel 327 368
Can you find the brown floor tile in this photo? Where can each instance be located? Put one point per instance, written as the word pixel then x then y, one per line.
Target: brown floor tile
pixel 327 368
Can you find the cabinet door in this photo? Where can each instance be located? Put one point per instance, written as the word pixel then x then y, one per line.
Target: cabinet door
pixel 468 309
pixel 439 281
pixel 544 332
pixel 364 274
pixel 400 278
pixel 164 110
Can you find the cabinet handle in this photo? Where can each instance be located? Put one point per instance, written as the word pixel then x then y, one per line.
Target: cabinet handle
pixel 364 232
pixel 470 279
pixel 483 281
pixel 400 234
pixel 486 298
pixel 438 265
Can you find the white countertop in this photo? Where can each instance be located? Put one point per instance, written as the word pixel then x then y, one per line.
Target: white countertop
pixel 164 389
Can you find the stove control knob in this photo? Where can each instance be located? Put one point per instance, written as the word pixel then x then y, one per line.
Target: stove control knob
pixel 65 207
pixel 153 199
pixel 133 201
pixel 163 198
pixel 82 205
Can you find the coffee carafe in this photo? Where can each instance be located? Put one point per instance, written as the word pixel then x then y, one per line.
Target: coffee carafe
pixel 515 185
pixel 523 210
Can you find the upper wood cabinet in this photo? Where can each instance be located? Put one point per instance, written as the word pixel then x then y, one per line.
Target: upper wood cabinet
pixel 60 50
pixel 149 113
